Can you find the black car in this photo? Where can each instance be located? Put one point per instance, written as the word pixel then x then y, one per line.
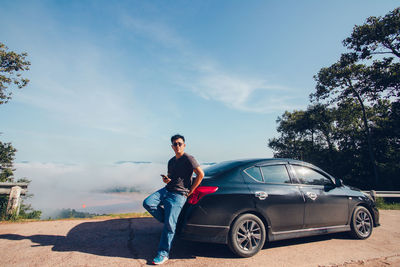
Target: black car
pixel 243 203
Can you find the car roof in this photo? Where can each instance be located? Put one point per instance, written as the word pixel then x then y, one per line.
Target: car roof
pixel 231 164
pixel 260 162
pixel 225 166
pixel 239 162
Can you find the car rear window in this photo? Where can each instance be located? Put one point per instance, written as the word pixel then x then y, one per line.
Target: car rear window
pixel 254 172
pixel 221 168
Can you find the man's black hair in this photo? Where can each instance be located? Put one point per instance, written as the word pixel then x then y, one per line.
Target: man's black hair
pixel 177 136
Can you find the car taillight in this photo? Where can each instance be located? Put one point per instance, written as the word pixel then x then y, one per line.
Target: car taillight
pixel 200 192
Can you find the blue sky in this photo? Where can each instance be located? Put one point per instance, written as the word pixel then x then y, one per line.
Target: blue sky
pixel 113 80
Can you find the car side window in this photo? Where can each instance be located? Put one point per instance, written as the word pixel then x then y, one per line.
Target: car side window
pixel 254 172
pixel 275 174
pixel 310 177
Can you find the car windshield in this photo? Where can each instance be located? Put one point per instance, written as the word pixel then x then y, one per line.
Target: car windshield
pixel 221 167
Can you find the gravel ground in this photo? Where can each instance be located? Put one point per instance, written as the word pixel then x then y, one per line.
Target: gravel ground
pixel 133 242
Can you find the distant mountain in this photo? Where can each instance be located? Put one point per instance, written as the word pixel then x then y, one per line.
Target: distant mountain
pixel 121 189
pixel 71 213
pixel 208 163
pixel 132 162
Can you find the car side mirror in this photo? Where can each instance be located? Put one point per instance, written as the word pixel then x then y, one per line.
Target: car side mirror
pixel 338 182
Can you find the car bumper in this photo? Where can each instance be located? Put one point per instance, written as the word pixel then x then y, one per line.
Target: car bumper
pixel 205 233
pixel 376 216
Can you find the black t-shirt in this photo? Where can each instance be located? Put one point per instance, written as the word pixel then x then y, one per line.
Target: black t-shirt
pixel 181 171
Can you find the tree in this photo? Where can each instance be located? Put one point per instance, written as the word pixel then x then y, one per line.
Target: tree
pixel 379 40
pixel 333 139
pixel 347 80
pixel 7 154
pixel 378 36
pixel 11 66
pixel 377 78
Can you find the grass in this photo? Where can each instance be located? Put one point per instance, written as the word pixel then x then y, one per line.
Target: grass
pixel 124 215
pixel 105 216
pixel 110 216
pixel 383 204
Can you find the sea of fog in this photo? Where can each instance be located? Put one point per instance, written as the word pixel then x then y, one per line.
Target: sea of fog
pixel 94 188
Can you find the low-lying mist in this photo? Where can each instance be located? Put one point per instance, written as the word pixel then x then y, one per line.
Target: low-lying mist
pixel 90 187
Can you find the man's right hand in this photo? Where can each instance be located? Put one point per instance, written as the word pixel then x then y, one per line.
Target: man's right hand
pixel 165 179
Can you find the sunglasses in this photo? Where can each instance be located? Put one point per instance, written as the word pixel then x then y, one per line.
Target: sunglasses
pixel 175 144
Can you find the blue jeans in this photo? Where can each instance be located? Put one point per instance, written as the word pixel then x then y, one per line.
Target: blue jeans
pixel 173 203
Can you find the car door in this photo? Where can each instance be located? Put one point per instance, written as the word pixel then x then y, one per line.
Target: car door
pixel 325 204
pixel 275 196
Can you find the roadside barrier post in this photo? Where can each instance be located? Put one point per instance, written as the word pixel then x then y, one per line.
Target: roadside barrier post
pixel 14 201
pixel 14 191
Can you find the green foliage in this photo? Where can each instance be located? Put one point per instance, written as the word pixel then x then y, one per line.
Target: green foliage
pixel 12 217
pixel 378 36
pixel 3 207
pixel 11 66
pixel 7 154
pixel 383 204
pixel 27 212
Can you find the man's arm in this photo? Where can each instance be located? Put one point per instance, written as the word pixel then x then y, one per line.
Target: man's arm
pixel 199 177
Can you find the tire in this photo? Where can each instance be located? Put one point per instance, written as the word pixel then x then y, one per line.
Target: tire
pixel 361 223
pixel 247 235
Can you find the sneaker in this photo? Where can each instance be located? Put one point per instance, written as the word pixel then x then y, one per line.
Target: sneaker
pixel 160 260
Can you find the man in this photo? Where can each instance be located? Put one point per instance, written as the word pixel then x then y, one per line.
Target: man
pixel 179 186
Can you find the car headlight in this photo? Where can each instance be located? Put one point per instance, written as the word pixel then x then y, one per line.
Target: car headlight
pixel 370 195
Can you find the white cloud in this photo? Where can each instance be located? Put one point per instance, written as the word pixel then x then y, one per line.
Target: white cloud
pixel 208 79
pixel 243 94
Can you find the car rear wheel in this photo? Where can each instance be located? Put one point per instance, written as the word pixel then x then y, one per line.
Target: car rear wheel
pixel 361 223
pixel 247 235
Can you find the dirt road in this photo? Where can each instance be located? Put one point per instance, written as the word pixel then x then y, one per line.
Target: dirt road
pixel 133 242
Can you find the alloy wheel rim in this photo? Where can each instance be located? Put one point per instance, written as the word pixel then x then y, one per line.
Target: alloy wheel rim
pixel 363 223
pixel 248 235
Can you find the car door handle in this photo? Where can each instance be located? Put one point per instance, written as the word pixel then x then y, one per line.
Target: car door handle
pixel 312 195
pixel 261 195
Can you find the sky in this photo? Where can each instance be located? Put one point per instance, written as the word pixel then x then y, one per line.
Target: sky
pixel 112 81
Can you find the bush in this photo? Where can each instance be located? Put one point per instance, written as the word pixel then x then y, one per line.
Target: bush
pixel 383 204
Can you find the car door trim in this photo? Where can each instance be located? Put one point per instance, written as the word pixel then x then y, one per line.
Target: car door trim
pixel 207 226
pixel 308 232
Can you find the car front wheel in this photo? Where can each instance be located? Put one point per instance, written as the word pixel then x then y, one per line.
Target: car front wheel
pixel 247 235
pixel 361 223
